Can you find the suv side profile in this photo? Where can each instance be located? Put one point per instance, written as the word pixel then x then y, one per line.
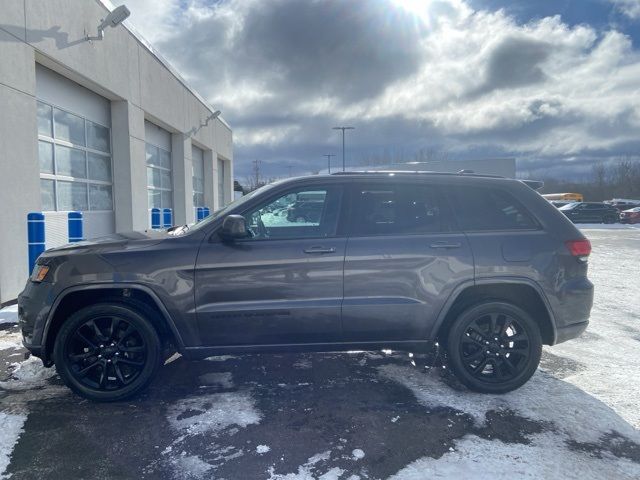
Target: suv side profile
pixel 594 212
pixel 482 265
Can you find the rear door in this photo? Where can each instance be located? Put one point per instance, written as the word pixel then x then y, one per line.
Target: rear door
pixel 283 285
pixel 403 260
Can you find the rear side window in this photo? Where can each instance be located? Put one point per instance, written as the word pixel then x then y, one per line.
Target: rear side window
pixel 393 209
pixel 482 208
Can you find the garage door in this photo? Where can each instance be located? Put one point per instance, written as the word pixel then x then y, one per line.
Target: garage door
pixel 74 149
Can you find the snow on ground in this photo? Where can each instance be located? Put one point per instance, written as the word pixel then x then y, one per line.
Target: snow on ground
pixel 27 375
pixel 213 413
pixel 11 426
pixel 310 470
pixel 9 314
pixel 547 457
pixel 216 379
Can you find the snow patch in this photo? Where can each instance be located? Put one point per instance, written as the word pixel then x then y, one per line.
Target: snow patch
pixel 9 314
pixel 221 358
pixel 190 466
pixel 308 471
pixel 12 425
pixel 546 457
pixel 28 374
pixel 10 340
pixel 543 398
pixel 213 413
pixel 357 454
pixel 262 449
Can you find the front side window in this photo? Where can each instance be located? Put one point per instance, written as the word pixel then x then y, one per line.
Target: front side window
pixel 484 208
pixel 396 209
pixel 301 213
pixel 75 161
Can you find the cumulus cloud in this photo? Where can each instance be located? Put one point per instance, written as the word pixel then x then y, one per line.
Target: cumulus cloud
pixel 630 8
pixel 408 74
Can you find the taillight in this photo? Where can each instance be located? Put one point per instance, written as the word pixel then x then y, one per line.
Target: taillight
pixel 579 248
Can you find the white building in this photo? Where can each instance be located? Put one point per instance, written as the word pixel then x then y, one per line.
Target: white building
pixel 105 127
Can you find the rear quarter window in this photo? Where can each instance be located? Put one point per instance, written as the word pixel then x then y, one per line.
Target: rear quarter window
pixel 485 208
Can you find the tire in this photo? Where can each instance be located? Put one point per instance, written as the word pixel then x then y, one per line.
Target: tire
pixel 609 220
pixel 107 352
pixel 485 365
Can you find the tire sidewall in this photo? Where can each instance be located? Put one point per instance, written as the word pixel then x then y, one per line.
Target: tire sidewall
pixel 460 325
pixel 144 327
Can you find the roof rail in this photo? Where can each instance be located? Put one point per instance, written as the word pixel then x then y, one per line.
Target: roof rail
pixel 466 173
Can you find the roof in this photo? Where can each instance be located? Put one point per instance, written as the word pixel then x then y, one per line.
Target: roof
pixel 145 43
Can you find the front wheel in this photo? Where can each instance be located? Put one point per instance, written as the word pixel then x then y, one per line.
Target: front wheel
pixel 107 352
pixel 494 347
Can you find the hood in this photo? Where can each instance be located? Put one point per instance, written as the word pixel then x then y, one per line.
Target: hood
pixel 123 241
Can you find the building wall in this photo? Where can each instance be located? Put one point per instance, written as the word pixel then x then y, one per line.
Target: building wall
pixel 138 84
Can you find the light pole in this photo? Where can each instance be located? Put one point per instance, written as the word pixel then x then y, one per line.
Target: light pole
pixel 343 129
pixel 329 155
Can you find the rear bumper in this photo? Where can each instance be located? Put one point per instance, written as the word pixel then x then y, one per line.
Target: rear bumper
pixel 572 309
pixel 570 331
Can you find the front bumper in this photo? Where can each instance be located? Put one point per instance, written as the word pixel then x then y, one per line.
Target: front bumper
pixel 34 305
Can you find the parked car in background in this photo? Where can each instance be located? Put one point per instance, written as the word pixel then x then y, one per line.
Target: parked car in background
pixel 622 204
pixel 480 267
pixel 590 212
pixel 630 216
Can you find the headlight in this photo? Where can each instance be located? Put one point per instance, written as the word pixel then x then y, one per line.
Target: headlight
pixel 39 273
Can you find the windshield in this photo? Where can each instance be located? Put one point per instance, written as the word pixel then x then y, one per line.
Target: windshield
pixel 570 206
pixel 223 211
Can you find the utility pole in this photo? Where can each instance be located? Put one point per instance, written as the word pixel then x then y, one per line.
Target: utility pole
pixel 329 155
pixel 256 173
pixel 343 129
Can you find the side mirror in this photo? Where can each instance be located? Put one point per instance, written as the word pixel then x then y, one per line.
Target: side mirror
pixel 234 227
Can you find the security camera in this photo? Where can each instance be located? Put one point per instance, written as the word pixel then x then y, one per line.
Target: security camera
pixel 115 18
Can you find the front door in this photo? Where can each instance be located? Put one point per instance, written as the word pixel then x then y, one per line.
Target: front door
pixel 403 261
pixel 283 285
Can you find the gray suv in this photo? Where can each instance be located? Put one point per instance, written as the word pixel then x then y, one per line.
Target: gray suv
pixel 484 266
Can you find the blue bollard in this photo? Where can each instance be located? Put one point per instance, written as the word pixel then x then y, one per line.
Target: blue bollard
pixel 155 219
pixel 206 212
pixel 35 237
pixel 75 227
pixel 166 218
pixel 199 213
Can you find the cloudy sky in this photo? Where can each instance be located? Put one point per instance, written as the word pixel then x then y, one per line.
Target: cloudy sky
pixel 554 83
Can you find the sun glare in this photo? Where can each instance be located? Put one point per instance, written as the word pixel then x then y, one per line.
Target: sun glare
pixel 418 8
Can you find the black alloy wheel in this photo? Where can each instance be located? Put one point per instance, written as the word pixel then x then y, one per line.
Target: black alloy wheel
pixel 107 352
pixel 494 347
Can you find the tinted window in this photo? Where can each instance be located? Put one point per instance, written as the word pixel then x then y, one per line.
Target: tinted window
pixel 300 213
pixel 381 209
pixel 480 208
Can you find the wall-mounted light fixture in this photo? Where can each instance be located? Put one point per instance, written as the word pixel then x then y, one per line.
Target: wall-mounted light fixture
pixel 115 18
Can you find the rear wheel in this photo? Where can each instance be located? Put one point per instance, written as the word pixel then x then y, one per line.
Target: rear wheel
pixel 107 352
pixel 494 347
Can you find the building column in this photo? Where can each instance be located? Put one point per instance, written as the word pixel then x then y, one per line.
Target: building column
pixel 209 179
pixel 183 211
pixel 129 167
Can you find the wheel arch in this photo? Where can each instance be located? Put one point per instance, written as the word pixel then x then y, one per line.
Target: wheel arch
pixel 136 296
pixel 521 292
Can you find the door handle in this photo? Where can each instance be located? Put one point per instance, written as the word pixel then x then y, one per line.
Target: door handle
pixel 318 249
pixel 445 245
